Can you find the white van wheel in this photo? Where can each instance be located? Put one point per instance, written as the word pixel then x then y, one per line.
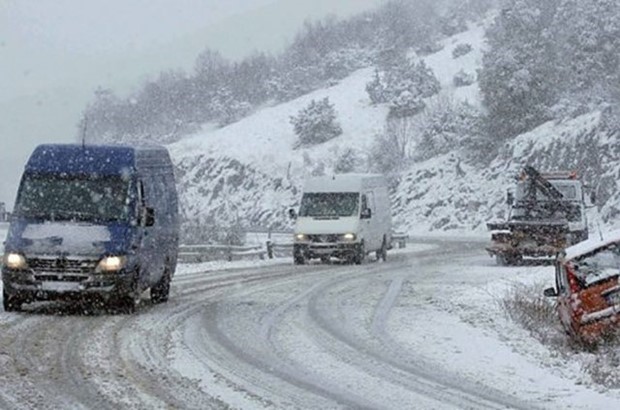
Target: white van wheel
pixel 360 254
pixel 382 253
pixel 161 290
pixel 11 303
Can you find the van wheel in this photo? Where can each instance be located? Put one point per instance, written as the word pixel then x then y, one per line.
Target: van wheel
pixel 161 290
pixel 360 254
pixel 382 253
pixel 11 303
pixel 126 302
pixel 298 256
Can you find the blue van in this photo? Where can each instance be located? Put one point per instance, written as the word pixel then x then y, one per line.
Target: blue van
pixel 92 221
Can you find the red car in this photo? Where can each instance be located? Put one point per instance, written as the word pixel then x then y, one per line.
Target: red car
pixel 587 287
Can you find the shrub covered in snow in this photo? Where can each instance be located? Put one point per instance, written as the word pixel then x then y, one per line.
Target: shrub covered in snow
pixel 461 50
pixel 316 123
pixel 447 125
pixel 403 84
pixel 463 79
pixel 346 162
pixel 376 89
pixel 406 104
pixel 430 47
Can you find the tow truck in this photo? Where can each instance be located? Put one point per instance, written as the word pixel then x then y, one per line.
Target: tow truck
pixel 547 214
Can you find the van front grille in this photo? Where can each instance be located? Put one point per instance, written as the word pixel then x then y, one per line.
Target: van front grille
pixel 62 265
pixel 326 238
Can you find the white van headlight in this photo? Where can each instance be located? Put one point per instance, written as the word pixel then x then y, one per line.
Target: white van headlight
pixel 111 264
pixel 301 237
pixel 14 260
pixel 349 237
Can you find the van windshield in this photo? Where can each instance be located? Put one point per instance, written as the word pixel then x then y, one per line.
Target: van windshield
pixel 329 204
pixel 73 198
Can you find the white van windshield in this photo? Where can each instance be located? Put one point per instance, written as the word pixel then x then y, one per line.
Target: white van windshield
pixel 74 198
pixel 329 204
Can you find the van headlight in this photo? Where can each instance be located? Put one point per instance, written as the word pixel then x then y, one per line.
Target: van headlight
pixel 300 237
pixel 15 261
pixel 111 264
pixel 348 237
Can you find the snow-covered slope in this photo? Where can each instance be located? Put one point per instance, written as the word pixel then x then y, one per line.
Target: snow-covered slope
pixel 250 172
pixel 446 193
pixel 250 168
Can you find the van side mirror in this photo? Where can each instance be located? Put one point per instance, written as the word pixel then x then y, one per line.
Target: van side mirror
pixel 147 216
pixel 510 199
pixel 366 214
pixel 550 293
pixel 593 197
pixel 292 214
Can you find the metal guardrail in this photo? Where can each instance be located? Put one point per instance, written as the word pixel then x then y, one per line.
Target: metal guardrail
pixel 400 239
pixel 279 249
pixel 206 253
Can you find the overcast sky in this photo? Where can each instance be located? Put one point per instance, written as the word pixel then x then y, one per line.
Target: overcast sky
pixel 54 53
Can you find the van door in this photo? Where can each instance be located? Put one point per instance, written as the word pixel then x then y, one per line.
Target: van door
pixel 366 225
pixel 150 253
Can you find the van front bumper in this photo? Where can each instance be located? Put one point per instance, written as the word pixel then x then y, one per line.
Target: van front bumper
pixel 30 285
pixel 318 250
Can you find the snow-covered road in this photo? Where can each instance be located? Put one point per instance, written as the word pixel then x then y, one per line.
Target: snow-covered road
pixel 423 330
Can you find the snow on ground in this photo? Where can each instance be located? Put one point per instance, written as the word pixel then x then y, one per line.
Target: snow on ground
pixel 472 336
pixel 213 266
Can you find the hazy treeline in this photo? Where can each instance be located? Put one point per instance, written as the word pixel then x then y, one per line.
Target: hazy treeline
pixel 222 91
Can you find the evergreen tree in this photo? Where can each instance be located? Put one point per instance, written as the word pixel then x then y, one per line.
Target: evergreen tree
pixel 346 162
pixel 316 123
pixel 518 79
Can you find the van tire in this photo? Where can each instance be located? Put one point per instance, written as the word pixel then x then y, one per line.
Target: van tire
pixel 11 303
pixel 382 253
pixel 360 254
pixel 161 290
pixel 298 256
pixel 126 302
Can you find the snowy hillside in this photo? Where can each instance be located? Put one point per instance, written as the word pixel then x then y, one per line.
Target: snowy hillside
pixel 250 171
pixel 251 168
pixel 446 193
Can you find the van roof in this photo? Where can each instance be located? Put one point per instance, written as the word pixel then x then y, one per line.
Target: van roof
pixel 89 159
pixel 344 182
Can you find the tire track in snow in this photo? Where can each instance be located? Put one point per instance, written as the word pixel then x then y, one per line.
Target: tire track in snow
pixel 262 369
pixel 424 379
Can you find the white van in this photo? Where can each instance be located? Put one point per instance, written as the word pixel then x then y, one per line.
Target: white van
pixel 344 216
